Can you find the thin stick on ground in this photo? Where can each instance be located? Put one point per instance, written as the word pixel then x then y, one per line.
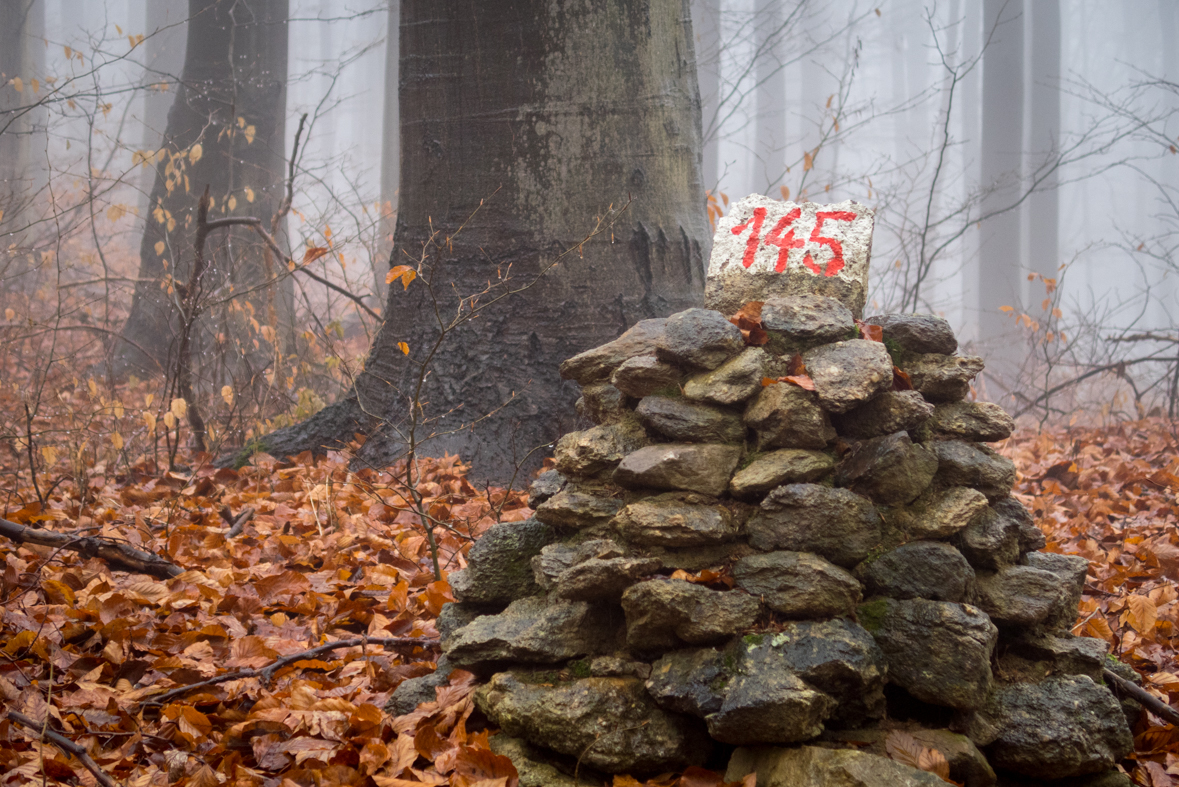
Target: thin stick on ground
pixel 1142 696
pixel 66 745
pixel 266 674
pixel 119 556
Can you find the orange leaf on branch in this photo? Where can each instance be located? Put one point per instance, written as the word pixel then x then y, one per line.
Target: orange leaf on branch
pixel 404 272
pixel 313 253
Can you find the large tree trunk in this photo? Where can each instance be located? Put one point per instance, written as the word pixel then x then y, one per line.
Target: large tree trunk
pixel 163 63
pixel 226 130
pixel 548 114
pixel 1000 269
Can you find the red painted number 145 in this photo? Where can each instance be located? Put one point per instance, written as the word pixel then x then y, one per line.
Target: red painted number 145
pixel 782 236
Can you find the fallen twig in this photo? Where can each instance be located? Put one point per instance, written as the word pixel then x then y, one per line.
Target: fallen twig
pixel 1141 695
pixel 122 557
pixel 266 674
pixel 66 745
pixel 239 524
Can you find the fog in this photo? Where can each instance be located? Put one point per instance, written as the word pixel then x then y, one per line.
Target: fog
pixel 996 141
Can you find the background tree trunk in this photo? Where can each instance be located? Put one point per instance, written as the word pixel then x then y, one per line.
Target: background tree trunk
pixel 390 147
pixel 1043 206
pixel 706 19
pixel 21 44
pixel 549 113
pixel 770 144
pixel 1000 268
pixel 163 63
pixel 226 129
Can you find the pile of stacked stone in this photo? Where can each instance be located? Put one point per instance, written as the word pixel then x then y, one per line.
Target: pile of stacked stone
pixel 748 551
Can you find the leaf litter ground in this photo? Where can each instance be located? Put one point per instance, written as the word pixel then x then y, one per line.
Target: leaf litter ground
pixel 99 656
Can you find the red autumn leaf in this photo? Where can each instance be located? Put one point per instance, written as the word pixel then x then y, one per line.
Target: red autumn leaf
pixel 900 380
pixel 801 380
pixel 313 253
pixel 700 777
pixel 873 333
pixel 475 765
pixel 748 320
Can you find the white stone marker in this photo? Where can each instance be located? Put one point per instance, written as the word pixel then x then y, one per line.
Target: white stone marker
pixel 765 248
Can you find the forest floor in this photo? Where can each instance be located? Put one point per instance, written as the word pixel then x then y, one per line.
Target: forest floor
pixel 291 635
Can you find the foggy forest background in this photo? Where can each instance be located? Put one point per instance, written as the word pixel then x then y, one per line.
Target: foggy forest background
pixel 1020 156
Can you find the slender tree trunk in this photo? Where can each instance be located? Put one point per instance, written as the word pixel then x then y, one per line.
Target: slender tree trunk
pixel 706 18
pixel 546 114
pixel 1043 206
pixel 1000 269
pixel 226 130
pixel 21 31
pixel 770 145
pixel 390 148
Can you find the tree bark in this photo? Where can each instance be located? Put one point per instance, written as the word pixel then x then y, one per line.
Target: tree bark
pixel 163 63
pixel 226 129
pixel 1000 269
pixel 548 114
pixel 21 31
pixel 1043 206
pixel 390 148
pixel 706 19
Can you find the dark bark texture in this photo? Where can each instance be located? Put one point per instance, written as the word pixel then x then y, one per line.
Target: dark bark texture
pixel 21 44
pixel 550 113
pixel 232 104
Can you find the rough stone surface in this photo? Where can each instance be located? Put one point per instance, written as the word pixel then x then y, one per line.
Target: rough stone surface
pixel 534 631
pixel 769 706
pixel 598 449
pixel 499 566
pixel 740 271
pixel 983 422
pixel 837 657
pixel 701 557
pixel 665 613
pixel 812 766
pixel 534 766
pixel 803 321
pixel 735 380
pixel 690 422
pixel 847 374
pixel 1020 595
pixel 917 333
pixel 889 470
pixel 938 651
pixel 939 513
pixel 942 378
pixel 610 724
pixel 786 416
pixel 891 411
pixel 1063 654
pixel 798 584
pixel 968 765
pixel 643 375
pixel 599 579
pixel 619 667
pixel 676 519
pixel 1058 728
pixel 601 361
pixel 547 484
pixel 990 541
pixel 555 559
pixel 1070 570
pixel 836 524
pixel 689 681
pixel 974 465
pixel 699 339
pixel 1031 537
pixel 574 508
pixel 920 569
pixel 453 617
pixel 412 692
pixel 602 403
pixel 700 467
pixel 785 466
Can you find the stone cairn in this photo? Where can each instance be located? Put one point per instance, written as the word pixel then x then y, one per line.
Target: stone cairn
pixel 721 562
